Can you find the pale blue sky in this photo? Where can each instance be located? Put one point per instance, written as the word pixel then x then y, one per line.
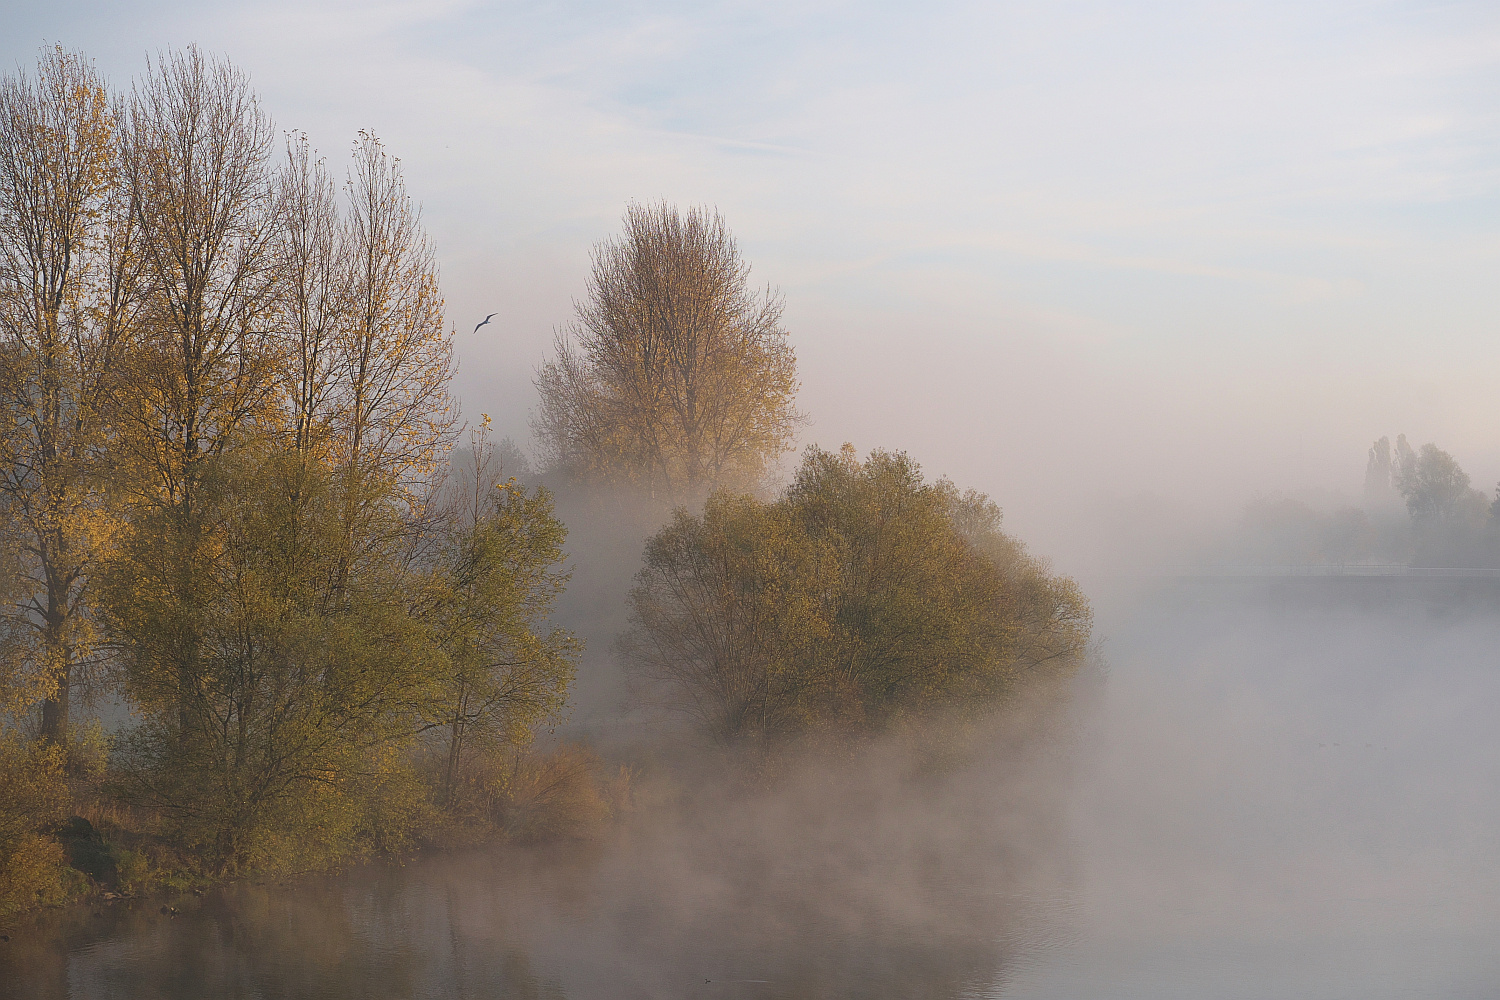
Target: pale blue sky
pixel 1052 248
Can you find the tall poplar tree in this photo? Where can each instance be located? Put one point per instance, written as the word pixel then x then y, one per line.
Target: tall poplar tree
pixel 202 372
pixel 64 255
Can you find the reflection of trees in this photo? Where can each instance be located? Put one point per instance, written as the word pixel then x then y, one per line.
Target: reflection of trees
pixel 360 937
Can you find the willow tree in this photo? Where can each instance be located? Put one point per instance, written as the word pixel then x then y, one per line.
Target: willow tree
pixel 734 614
pixel 61 304
pixel 675 373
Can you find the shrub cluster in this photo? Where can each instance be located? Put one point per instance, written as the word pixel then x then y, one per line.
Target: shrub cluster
pixel 862 592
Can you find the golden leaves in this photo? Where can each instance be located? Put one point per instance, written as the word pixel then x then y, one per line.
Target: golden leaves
pixel 57 163
pixel 675 372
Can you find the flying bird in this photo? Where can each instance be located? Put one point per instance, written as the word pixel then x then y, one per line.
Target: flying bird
pixel 486 320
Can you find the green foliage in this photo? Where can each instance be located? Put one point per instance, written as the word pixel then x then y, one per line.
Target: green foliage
pixel 733 610
pixel 1419 509
pixel 271 650
pixel 290 639
pixel 505 672
pixel 1450 521
pixel 88 751
pixel 923 611
pixel 133 872
pixel 861 593
pixel 224 416
pixel 1436 489
pixel 24 678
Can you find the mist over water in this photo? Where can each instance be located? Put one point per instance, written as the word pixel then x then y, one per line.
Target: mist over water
pixel 1264 788
pixel 1291 792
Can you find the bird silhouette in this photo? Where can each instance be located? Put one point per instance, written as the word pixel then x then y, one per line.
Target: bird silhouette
pixel 486 320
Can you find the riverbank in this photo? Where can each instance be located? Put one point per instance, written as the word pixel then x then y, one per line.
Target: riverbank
pixel 107 850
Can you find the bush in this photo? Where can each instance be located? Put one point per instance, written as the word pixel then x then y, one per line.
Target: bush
pixel 564 795
pixel 33 872
pixel 568 793
pixel 864 592
pixel 88 751
pixel 33 799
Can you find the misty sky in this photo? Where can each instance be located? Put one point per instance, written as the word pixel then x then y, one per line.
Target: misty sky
pixel 1061 251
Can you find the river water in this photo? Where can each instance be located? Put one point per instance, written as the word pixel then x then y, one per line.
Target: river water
pixel 1269 790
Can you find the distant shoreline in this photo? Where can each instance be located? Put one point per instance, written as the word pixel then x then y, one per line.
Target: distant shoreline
pixel 1358 572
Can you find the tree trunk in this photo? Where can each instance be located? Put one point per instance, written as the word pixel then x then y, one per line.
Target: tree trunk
pixel 60 659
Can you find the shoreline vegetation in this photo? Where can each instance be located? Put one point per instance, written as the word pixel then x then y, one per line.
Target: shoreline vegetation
pixel 267 607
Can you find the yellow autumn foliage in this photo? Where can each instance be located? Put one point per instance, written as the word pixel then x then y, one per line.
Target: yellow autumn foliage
pixel 676 375
pixel 33 798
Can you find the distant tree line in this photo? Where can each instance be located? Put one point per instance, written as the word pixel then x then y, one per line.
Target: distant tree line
pixel 1418 508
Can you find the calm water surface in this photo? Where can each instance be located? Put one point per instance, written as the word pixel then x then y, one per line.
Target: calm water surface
pixel 1272 792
